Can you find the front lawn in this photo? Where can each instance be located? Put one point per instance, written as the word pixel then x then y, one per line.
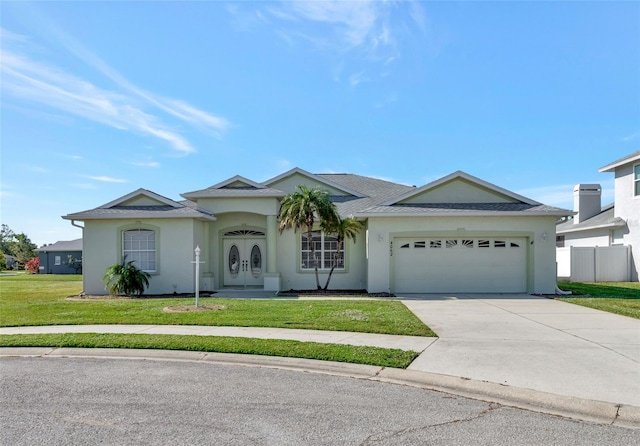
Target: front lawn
pixel 615 297
pixel 41 300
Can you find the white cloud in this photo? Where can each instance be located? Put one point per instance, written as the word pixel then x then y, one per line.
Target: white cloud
pixel 370 32
pixel 147 164
pixel 631 137
pixel 126 107
pixel 106 179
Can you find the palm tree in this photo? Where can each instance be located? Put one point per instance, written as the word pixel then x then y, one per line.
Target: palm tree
pixel 343 228
pixel 299 210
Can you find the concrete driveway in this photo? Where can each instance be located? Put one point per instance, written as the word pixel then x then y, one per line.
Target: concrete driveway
pixel 532 342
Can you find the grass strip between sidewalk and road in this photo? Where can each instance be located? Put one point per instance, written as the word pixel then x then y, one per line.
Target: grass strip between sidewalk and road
pixel 383 357
pixel 614 297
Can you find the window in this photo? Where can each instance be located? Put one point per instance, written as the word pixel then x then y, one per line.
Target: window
pixel 435 244
pixel 139 245
pixel 636 180
pixel 325 246
pixel 57 260
pixel 421 244
pixel 559 241
pixel 484 243
pixel 451 243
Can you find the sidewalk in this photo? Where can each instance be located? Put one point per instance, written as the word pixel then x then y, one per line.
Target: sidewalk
pixel 413 343
pixel 518 350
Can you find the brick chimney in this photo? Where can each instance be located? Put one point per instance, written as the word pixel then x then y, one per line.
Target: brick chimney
pixel 586 201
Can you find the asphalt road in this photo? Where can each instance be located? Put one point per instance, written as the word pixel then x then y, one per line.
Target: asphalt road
pixel 81 401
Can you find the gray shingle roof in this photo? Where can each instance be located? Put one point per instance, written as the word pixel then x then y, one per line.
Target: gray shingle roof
pixel 66 245
pixel 117 212
pixel 235 192
pixel 485 209
pixel 375 190
pixel 605 219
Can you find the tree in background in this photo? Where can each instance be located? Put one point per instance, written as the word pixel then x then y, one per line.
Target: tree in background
pixel 17 245
pixel 6 238
pixel 299 209
pixel 23 249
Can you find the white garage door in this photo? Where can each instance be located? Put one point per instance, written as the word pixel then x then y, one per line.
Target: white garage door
pixel 471 265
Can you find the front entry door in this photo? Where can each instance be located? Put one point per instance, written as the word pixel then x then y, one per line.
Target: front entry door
pixel 244 262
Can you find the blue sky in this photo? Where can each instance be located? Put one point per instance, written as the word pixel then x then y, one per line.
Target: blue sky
pixel 101 98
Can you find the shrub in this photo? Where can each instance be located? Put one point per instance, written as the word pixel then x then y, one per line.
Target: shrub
pixel 126 278
pixel 33 266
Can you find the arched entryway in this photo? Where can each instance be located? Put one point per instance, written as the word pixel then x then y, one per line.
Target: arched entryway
pixel 244 262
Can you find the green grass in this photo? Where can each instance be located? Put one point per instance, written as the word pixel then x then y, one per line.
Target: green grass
pixel 38 300
pixel 41 300
pixel 383 357
pixel 615 297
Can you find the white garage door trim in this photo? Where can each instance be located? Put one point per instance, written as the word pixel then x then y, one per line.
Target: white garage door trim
pixel 456 264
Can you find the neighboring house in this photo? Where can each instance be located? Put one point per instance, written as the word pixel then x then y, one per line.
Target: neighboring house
pixel 54 258
pixel 456 234
pixel 11 261
pixel 616 224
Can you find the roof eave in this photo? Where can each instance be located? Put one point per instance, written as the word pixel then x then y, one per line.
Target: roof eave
pixel 80 217
pixel 197 195
pixel 462 214
pixel 611 167
pixel 617 224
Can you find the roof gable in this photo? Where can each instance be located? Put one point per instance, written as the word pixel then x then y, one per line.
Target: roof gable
pixel 142 203
pixel 235 187
pixel 141 197
pixel 237 182
pixel 288 181
pixel 459 187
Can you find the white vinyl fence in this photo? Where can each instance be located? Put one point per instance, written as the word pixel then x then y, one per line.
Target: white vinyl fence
pixel 594 264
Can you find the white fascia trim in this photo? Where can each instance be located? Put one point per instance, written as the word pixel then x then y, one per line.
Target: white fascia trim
pixel 297 170
pixel 81 217
pixel 465 176
pixel 621 162
pixel 591 228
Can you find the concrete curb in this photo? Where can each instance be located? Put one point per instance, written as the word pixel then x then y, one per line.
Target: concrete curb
pixel 569 407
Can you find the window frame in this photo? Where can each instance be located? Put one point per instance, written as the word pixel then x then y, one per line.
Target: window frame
pixel 323 252
pixel 57 260
pixel 127 252
pixel 636 180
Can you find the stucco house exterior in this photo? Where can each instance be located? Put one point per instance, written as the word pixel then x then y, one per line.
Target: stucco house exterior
pixel 456 234
pixel 54 258
pixel 615 224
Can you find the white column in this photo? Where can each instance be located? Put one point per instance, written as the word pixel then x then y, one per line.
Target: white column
pixel 272 244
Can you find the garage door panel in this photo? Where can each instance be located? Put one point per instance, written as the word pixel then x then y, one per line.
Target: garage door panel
pixel 437 265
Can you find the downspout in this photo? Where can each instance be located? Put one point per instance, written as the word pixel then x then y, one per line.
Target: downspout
pixel 73 223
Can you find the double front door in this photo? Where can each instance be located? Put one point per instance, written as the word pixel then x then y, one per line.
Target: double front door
pixel 244 262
